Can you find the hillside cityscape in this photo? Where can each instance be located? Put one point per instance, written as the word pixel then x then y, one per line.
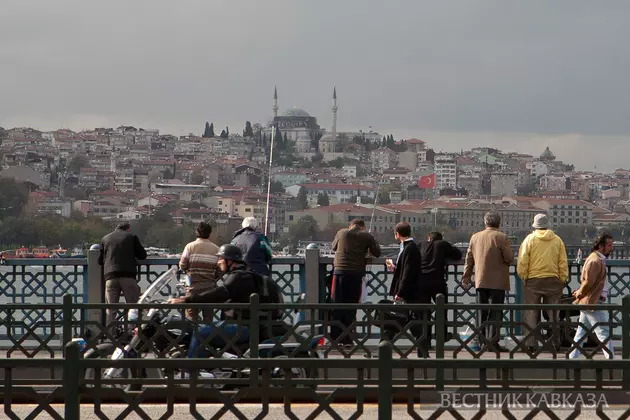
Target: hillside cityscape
pixel 69 188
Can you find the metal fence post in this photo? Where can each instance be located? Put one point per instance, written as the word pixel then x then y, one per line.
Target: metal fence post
pixel 67 320
pixel 95 289
pixel 385 375
pixel 311 279
pixel 440 338
pixel 625 338
pixel 71 378
pixel 254 325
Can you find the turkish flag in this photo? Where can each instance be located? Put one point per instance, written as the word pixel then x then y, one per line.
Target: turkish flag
pixel 426 181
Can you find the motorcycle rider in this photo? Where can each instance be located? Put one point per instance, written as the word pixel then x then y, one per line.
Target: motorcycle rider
pixel 239 282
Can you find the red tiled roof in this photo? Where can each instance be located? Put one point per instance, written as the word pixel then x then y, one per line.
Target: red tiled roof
pixel 342 187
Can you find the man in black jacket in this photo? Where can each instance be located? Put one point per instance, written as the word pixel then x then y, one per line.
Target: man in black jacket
pixel 405 287
pixel 238 284
pixel 434 253
pixel 118 254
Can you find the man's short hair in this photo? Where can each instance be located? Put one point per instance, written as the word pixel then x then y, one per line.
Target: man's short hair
pixel 435 236
pixel 357 222
pixel 203 230
pixel 124 226
pixel 600 241
pixel 492 219
pixel 403 229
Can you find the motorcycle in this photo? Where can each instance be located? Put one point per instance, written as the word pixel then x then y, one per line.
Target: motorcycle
pixel 168 335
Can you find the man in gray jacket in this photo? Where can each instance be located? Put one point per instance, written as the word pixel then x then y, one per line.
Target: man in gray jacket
pixel 118 254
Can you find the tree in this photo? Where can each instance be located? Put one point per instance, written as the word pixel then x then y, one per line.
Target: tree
pixel 167 174
pixel 196 176
pixel 305 229
pixel 337 163
pixel 13 198
pixel 227 132
pixel 302 199
pixel 276 187
pixel 390 142
pixel 207 132
pixel 249 131
pixel 212 130
pixel 323 200
pixel 277 141
pixel 77 162
pixel 223 134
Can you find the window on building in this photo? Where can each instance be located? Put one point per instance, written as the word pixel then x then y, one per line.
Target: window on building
pixel 562 220
pixel 570 220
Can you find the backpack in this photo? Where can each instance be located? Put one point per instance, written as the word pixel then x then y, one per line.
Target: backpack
pixel 269 292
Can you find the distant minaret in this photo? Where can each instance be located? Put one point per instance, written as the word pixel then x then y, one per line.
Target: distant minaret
pixel 334 111
pixel 275 102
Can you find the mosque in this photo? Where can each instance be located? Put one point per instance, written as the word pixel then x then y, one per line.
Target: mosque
pixel 302 128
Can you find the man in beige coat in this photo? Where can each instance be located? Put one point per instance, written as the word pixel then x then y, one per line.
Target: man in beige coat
pixel 593 290
pixel 489 252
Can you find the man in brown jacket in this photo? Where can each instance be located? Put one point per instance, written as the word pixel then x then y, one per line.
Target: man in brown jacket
pixel 593 290
pixel 351 246
pixel 489 252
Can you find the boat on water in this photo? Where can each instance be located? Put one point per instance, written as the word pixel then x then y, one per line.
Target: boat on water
pixel 23 252
pixel 41 252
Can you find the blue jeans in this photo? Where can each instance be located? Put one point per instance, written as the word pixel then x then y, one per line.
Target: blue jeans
pixel 602 331
pixel 225 333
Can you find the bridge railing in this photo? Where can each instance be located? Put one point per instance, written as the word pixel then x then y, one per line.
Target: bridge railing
pixel 502 387
pixel 36 283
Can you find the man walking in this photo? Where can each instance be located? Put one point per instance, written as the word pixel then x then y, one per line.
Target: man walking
pixel 254 246
pixel 351 246
pixel 435 252
pixel 489 252
pixel 542 267
pixel 405 287
pixel 593 290
pixel 199 262
pixel 118 255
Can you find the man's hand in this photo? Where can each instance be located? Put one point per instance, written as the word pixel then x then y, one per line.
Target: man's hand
pixel 176 300
pixel 466 284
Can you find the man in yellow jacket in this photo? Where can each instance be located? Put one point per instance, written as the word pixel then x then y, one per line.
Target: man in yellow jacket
pixel 542 267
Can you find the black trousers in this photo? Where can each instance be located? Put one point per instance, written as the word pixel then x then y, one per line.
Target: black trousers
pixel 346 288
pixel 428 294
pixel 490 319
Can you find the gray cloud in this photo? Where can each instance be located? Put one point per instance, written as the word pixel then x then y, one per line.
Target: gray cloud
pixel 456 68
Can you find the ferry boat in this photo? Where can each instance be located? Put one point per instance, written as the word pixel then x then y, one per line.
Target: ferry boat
pixel 77 252
pixel 41 252
pixel 59 252
pixel 23 252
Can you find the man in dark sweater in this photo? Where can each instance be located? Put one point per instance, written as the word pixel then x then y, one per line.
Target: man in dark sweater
pixel 118 254
pixel 351 247
pixel 434 254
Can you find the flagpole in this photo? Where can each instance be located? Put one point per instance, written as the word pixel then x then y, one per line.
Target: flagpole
pixel 273 135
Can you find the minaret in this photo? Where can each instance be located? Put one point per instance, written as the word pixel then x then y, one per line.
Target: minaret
pixel 275 102
pixel 334 111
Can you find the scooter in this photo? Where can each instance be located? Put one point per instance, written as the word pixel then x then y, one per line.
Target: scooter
pixel 174 344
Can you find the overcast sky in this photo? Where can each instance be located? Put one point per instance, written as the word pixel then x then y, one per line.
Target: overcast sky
pixel 518 75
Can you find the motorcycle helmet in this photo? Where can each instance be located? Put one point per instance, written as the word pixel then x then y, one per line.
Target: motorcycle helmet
pixel 230 252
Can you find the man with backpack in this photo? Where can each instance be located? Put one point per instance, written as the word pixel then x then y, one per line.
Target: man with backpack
pixel 239 283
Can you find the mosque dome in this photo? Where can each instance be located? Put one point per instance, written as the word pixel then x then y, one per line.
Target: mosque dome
pixel 296 112
pixel 326 138
pixel 547 155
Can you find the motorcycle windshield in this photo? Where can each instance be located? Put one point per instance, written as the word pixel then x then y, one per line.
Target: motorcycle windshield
pixel 154 289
